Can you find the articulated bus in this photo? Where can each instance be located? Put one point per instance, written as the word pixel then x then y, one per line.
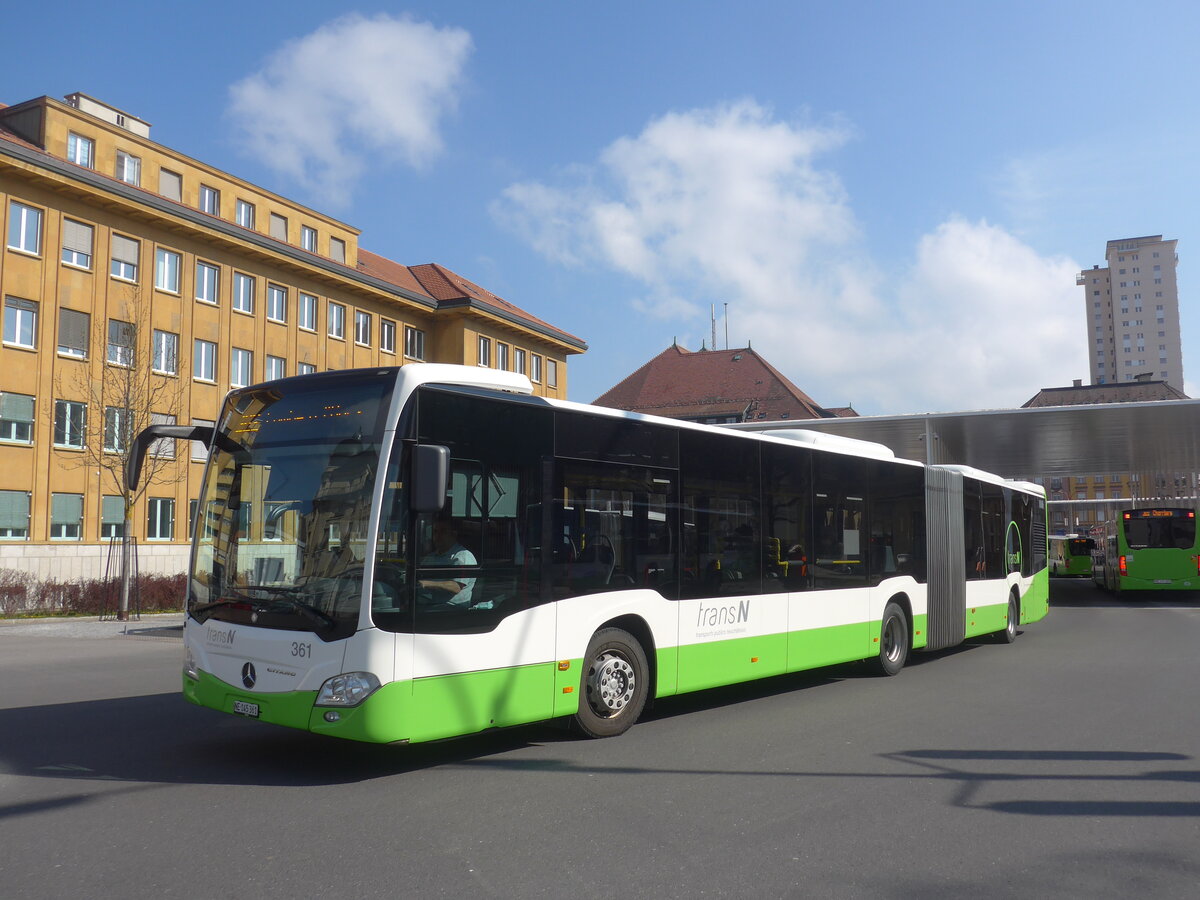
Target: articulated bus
pixel 408 554
pixel 1150 550
pixel 1071 555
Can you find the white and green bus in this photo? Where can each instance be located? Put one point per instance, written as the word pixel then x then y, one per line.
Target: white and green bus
pixel 407 554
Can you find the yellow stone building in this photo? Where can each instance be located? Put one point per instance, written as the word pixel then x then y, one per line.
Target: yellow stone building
pixel 119 249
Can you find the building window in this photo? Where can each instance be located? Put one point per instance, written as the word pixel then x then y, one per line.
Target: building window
pixel 308 238
pixel 81 150
pixel 241 365
pixel 552 373
pixel 307 313
pixel 73 330
pixel 170 185
pixel 66 516
pixel 166 270
pixel 164 447
pixel 118 427
pixel 362 328
pixel 20 322
pixel 502 356
pixel 337 320
pixel 24 228
pixel 160 519
pixel 121 337
pixel 112 516
pixel 337 250
pixel 129 168
pixel 279 229
pixel 305 368
pixel 535 368
pixel 124 258
pixel 387 336
pixel 70 423
pixel 165 350
pixel 518 360
pixel 14 515
pixel 243 293
pixel 276 368
pixel 485 351
pixel 199 448
pixel 207 282
pixel 204 361
pixel 16 418
pixel 77 244
pixel 276 303
pixel 414 343
pixel 244 214
pixel 210 200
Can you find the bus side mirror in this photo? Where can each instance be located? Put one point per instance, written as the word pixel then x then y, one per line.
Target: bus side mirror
pixel 430 475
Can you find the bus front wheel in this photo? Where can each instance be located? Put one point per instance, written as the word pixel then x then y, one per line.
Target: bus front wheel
pixel 614 684
pixel 893 641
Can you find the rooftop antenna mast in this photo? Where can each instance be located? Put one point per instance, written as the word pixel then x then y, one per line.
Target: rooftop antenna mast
pixel 726 326
pixel 714 325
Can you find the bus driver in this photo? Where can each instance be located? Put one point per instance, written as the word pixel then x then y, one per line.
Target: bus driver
pixel 447 552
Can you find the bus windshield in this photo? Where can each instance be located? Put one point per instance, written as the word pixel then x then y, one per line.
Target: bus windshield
pixel 1160 528
pixel 282 522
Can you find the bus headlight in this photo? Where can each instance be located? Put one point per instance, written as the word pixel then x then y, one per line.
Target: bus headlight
pixel 189 665
pixel 347 689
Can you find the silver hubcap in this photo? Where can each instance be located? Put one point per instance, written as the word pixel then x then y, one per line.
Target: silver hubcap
pixel 891 639
pixel 610 684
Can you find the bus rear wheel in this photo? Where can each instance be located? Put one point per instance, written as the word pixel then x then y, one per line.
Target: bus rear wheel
pixel 614 684
pixel 893 641
pixel 1009 633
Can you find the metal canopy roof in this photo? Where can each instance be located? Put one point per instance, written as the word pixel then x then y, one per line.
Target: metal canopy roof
pixel 1104 438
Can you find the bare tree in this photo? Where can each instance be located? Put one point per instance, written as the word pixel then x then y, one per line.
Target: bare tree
pixel 133 384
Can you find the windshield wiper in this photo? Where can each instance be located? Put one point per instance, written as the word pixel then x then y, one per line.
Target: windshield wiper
pixel 306 610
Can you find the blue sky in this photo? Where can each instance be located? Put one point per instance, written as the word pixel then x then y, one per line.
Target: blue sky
pixel 892 199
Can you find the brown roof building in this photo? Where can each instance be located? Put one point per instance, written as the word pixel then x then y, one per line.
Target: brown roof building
pixel 714 387
pixel 1142 390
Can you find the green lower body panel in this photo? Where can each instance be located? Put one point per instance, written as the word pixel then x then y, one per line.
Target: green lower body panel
pixel 1036 602
pixel 830 646
pixel 421 710
pixel 728 662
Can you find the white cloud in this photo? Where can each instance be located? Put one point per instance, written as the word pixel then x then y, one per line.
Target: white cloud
pixel 729 204
pixel 357 88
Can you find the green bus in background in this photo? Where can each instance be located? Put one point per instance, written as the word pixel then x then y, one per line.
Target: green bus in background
pixel 1150 550
pixel 1071 555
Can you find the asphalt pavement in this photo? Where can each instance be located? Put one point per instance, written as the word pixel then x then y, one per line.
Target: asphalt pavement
pixel 156 626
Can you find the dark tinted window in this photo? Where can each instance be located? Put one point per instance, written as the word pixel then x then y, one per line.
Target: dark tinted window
pixel 897 522
pixel 840 539
pixel 604 439
pixel 787 517
pixel 613 528
pixel 719 516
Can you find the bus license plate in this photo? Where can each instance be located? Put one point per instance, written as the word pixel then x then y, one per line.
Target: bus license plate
pixel 242 708
pixel 1162 580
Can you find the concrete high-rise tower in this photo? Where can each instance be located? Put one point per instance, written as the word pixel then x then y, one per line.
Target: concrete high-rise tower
pixel 1132 307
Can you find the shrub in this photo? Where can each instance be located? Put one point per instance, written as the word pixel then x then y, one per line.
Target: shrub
pixel 22 594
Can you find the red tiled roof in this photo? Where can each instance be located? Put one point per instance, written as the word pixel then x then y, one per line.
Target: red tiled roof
pixel 679 383
pixel 392 272
pixel 447 287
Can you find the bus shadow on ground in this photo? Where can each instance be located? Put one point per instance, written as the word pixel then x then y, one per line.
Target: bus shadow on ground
pixel 162 739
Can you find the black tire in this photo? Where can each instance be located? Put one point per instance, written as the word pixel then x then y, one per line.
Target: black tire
pixel 893 640
pixel 614 684
pixel 1009 633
